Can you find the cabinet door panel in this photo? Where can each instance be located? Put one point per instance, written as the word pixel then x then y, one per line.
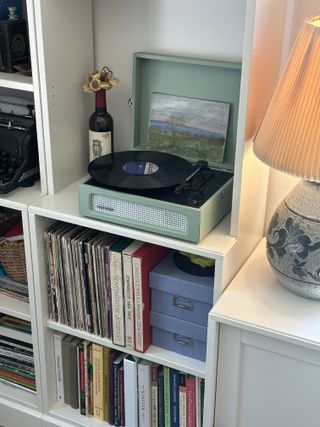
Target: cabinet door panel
pixel 265 382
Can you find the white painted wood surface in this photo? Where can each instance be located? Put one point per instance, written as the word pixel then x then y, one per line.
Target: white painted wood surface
pixel 265 382
pixel 68 46
pixel 269 348
pixel 256 301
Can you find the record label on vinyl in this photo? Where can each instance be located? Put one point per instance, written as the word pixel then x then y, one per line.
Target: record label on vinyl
pixel 140 170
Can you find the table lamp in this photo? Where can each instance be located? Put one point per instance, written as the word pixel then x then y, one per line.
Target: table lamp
pixel 289 140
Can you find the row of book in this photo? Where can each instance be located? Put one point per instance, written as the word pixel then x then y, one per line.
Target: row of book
pixel 98 282
pixel 16 353
pixel 122 389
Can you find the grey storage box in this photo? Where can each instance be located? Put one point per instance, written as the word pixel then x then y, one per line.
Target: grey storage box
pixel 179 335
pixel 179 294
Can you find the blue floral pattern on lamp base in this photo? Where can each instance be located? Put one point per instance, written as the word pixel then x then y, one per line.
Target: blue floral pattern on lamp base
pixel 293 241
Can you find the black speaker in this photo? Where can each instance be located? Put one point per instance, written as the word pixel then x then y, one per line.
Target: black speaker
pixel 14 44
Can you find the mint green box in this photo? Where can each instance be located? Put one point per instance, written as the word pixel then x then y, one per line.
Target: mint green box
pixel 174 75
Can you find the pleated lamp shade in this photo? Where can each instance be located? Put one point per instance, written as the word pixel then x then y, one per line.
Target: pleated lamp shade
pixel 289 136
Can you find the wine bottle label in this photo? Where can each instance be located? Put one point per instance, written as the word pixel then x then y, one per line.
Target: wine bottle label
pixel 99 144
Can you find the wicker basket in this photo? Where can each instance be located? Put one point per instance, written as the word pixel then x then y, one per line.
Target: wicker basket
pixel 12 259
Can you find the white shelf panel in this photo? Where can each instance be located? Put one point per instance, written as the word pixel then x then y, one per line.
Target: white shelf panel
pixel 14 307
pixel 17 335
pixel 255 300
pixel 21 197
pixel 16 81
pixel 154 354
pixel 11 392
pixel 67 414
pixel 64 206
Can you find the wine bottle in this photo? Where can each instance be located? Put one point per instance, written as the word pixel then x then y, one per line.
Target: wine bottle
pixel 100 128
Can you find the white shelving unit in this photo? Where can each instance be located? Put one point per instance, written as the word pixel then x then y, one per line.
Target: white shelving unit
pixel 94 33
pixel 69 39
pixel 18 405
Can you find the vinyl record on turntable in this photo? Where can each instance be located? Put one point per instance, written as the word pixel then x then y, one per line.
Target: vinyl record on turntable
pixel 140 170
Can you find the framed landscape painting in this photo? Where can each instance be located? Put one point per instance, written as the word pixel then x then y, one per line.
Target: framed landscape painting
pixel 189 127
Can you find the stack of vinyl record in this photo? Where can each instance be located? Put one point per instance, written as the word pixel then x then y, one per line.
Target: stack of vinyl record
pixel 16 353
pixel 12 288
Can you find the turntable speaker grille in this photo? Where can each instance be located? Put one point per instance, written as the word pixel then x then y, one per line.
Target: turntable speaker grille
pixel 142 214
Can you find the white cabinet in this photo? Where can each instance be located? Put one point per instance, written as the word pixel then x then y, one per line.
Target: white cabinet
pixel 268 358
pixel 265 381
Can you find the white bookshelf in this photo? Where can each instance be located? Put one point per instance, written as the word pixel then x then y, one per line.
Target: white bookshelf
pixel 70 38
pixel 100 30
pixel 154 354
pixel 19 405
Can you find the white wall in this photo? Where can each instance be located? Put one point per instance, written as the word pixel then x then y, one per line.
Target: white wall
pixel 184 27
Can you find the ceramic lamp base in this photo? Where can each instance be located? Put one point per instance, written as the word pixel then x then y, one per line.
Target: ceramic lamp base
pixel 293 240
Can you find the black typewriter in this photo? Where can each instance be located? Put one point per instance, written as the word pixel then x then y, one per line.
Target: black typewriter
pixel 19 164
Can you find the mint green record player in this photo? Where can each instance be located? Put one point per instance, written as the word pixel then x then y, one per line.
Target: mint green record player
pixel 195 97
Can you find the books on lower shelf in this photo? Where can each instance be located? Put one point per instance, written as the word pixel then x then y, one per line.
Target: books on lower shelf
pixel 113 386
pixel 16 353
pixel 99 282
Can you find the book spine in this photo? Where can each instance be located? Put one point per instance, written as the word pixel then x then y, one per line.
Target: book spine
pixel 66 362
pixel 202 398
pixel 106 367
pixel 57 338
pixel 117 298
pixel 74 378
pixel 182 400
pixel 129 301
pixel 174 397
pixel 198 402
pixel 144 389
pixel 86 360
pixel 111 388
pixel 116 396
pixel 82 400
pixel 161 418
pixel 121 396
pixel 131 390
pixel 98 382
pixel 167 417
pixel 154 395
pixel 191 403
pixel 138 303
pixel 90 381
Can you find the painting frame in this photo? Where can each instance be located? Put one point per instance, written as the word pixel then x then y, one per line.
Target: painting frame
pixel 192 128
